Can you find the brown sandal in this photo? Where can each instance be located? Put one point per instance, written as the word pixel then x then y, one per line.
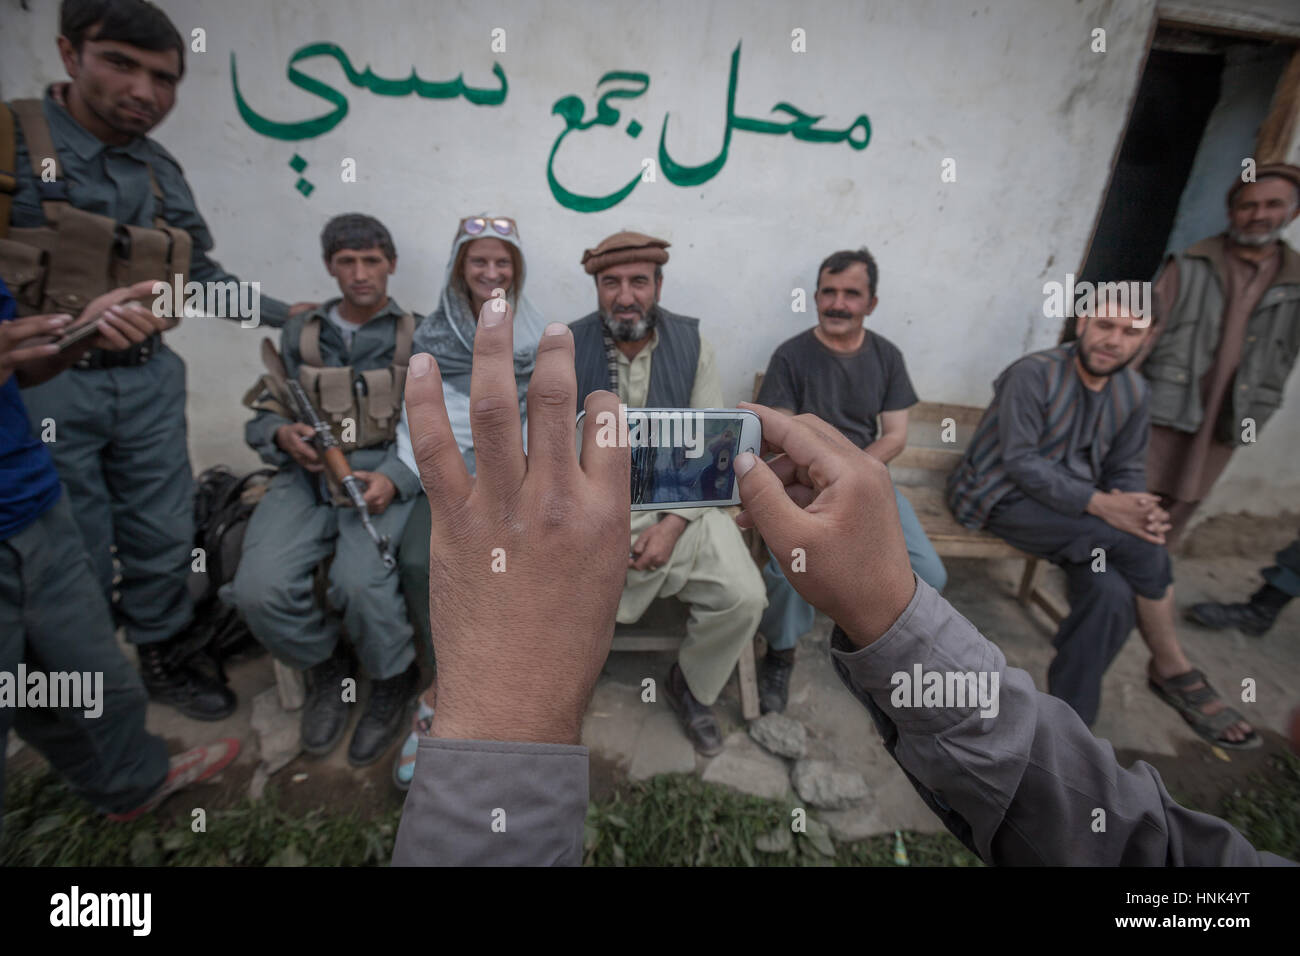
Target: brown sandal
pixel 1177 693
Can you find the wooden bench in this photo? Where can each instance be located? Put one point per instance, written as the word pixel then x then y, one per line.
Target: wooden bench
pixel 921 472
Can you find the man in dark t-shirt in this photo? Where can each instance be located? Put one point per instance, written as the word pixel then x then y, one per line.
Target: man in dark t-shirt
pixel 846 376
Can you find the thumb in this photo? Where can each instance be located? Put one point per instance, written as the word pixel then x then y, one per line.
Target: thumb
pixel 777 518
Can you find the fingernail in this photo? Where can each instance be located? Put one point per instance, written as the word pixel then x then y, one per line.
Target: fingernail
pixel 492 316
pixel 556 328
pixel 744 461
pixel 420 364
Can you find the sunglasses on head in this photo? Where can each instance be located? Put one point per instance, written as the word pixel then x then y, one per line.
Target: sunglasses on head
pixel 474 225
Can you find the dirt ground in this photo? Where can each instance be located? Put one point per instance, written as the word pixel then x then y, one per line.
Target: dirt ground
pixel 1220 560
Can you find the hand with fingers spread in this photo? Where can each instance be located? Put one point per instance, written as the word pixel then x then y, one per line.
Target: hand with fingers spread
pixel 527 559
pixel 824 495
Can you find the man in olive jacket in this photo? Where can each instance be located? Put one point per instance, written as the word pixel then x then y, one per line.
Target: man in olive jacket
pixel 1225 337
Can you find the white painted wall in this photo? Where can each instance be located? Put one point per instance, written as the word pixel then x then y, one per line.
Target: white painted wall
pixel 1008 88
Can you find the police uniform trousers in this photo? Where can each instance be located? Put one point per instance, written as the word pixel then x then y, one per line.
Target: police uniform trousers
pixel 54 619
pixel 120 448
pixel 289 534
pixel 711 571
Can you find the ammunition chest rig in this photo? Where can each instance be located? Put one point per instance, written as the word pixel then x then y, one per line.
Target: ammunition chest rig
pixel 371 400
pixel 76 255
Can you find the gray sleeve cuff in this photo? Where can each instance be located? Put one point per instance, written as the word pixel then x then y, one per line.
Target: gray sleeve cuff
pixel 260 435
pixel 493 803
pixel 404 480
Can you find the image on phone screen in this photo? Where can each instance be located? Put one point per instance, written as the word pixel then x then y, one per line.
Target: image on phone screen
pixel 691 466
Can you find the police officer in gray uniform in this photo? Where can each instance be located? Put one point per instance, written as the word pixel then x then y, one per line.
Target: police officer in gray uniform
pixel 350 357
pixel 98 205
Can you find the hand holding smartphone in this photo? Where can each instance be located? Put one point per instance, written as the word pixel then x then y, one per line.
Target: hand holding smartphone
pixel 682 457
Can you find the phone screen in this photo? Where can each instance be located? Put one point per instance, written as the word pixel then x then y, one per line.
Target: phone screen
pixel 683 458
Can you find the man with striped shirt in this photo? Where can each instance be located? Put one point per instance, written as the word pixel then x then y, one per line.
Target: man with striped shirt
pixel 1057 469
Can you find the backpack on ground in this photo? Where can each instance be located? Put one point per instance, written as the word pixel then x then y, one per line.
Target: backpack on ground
pixel 223 504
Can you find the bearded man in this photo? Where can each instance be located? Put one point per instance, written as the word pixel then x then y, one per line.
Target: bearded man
pixel 652 357
pixel 1057 468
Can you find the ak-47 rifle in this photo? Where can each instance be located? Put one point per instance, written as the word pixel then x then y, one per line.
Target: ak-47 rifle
pixel 336 462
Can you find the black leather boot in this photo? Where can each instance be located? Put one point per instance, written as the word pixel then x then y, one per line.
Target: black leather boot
pixel 1253 619
pixel 325 712
pixel 176 683
pixel 774 680
pixel 697 719
pixel 385 717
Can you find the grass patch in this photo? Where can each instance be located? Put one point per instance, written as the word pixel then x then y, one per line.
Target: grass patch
pixel 672 820
pixel 679 820
pixel 1268 814
pixel 46 825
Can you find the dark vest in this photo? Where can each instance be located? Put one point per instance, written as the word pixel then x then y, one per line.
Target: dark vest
pixel 672 369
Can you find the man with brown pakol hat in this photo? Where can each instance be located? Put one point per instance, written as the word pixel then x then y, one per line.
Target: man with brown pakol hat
pixel 652 358
pixel 1225 337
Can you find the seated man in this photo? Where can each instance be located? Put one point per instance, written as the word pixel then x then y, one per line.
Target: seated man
pixel 847 377
pixel 350 356
pixel 653 358
pixel 1057 467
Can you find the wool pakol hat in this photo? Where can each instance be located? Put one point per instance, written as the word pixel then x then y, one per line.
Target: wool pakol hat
pixel 624 247
pixel 1285 170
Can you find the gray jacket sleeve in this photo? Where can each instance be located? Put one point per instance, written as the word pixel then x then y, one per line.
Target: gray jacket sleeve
pixel 1021 417
pixel 1021 781
pixel 1125 466
pixel 491 803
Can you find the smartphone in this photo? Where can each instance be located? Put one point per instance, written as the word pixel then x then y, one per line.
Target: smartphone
pixel 79 334
pixel 683 457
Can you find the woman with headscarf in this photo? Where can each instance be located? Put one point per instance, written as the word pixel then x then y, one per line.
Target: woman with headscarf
pixel 486 261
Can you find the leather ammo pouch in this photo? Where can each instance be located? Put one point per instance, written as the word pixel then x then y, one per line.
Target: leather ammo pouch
pixel 330 390
pixel 62 268
pixel 381 404
pixel 78 255
pixel 23 268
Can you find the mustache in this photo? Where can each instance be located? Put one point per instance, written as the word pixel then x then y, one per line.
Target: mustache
pixel 837 314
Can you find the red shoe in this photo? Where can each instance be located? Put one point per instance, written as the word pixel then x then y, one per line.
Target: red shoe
pixel 192 766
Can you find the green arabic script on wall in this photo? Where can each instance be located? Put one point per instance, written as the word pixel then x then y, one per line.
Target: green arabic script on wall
pixel 571 109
